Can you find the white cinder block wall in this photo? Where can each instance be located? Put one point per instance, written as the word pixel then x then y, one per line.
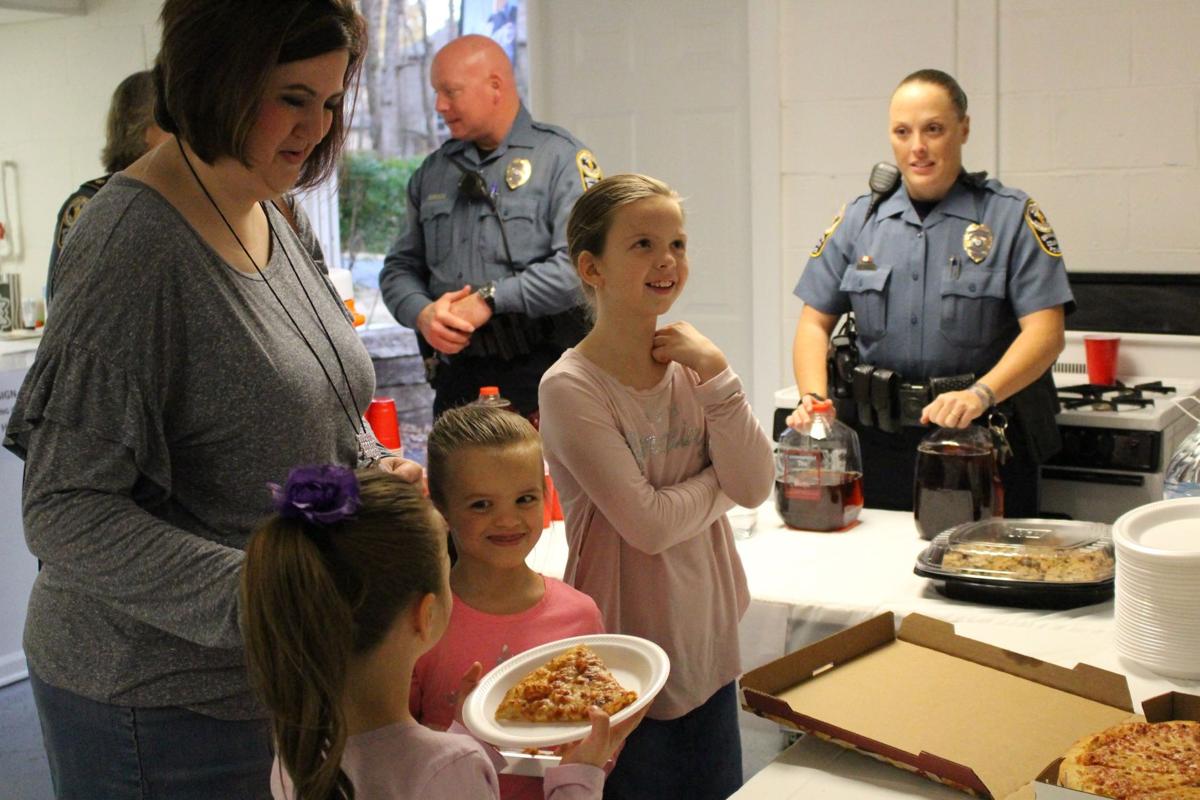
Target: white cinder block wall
pixel 1091 106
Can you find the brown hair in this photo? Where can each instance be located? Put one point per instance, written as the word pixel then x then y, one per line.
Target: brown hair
pixel 313 596
pixel 130 113
pixel 471 426
pixel 943 79
pixel 217 56
pixel 592 216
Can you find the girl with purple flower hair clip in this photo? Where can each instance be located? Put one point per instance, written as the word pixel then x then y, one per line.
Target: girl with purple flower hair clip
pixel 342 590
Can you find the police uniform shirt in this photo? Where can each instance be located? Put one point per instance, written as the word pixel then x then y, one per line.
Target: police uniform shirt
pixel 929 299
pixel 534 175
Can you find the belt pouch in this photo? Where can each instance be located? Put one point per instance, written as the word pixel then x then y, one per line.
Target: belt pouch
pixel 883 393
pixel 862 393
pixel 913 399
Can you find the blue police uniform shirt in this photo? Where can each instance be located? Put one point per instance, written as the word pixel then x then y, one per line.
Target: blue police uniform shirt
pixel 452 240
pixel 926 308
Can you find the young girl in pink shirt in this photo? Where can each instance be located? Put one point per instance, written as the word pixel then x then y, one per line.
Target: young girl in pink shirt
pixel 342 591
pixel 487 477
pixel 650 440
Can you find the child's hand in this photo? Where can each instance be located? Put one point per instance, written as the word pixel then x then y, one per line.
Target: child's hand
pixel 681 342
pixel 603 741
pixel 466 685
pixel 402 468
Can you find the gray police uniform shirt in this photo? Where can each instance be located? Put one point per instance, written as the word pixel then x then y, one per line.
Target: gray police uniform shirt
pixel 452 241
pixel 923 306
pixel 168 390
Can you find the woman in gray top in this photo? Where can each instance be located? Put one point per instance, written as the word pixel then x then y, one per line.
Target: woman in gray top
pixel 196 354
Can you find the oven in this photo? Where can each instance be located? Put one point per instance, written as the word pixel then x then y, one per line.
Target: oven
pixel 1118 440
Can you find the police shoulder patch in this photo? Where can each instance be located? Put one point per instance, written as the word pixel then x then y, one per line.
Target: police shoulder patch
pixel 70 215
pixel 819 247
pixel 1037 222
pixel 589 169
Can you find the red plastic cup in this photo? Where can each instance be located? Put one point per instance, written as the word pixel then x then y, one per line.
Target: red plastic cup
pixel 1101 351
pixel 381 416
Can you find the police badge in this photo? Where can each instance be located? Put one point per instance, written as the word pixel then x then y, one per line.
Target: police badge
pixel 518 172
pixel 977 241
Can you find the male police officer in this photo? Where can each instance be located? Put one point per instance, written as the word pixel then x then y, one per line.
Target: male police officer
pixel 482 271
pixel 957 285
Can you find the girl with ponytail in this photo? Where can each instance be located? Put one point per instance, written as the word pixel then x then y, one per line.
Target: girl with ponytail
pixel 342 591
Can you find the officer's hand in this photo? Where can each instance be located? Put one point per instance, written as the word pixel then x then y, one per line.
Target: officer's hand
pixel 472 308
pixel 953 409
pixel 803 413
pixel 445 331
pixel 402 468
pixel 681 342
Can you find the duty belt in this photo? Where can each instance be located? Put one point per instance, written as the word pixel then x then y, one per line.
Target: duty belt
pixel 884 399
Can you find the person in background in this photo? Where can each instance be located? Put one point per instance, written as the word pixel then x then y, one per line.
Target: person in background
pixel 351 579
pixel 196 353
pixel 482 271
pixel 129 132
pixel 955 280
pixel 487 478
pixel 650 440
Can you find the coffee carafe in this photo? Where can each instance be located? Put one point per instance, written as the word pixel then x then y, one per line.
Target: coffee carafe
pixel 818 473
pixel 956 480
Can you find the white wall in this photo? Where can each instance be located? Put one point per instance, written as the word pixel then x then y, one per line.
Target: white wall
pixel 58 78
pixel 1091 106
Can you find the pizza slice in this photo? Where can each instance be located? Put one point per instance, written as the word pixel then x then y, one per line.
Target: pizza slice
pixel 1137 761
pixel 564 688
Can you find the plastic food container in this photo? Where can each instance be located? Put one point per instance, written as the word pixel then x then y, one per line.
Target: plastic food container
pixel 1032 563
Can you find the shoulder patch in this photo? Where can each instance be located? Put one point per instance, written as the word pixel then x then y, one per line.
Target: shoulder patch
pixel 819 247
pixel 589 169
pixel 69 215
pixel 1037 222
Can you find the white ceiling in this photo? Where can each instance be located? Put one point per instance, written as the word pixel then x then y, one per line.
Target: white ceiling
pixel 31 10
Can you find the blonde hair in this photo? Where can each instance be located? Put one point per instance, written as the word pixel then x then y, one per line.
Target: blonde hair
pixel 594 211
pixel 472 426
pixel 315 595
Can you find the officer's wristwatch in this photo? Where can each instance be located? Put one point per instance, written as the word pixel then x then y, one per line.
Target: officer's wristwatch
pixel 488 292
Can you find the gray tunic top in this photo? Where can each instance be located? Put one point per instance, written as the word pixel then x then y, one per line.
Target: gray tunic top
pixel 168 390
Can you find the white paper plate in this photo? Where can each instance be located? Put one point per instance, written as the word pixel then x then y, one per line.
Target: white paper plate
pixel 636 663
pixel 1167 530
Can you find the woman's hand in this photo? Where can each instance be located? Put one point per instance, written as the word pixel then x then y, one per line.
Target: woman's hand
pixel 953 409
pixel 803 413
pixel 681 342
pixel 604 740
pixel 402 468
pixel 466 685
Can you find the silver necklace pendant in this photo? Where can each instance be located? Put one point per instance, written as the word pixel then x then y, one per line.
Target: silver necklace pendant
pixel 369 450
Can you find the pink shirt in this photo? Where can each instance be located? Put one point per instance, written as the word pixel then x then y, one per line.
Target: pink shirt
pixel 408 761
pixel 645 478
pixel 490 639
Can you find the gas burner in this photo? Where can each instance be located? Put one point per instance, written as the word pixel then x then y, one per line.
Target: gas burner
pixel 1108 398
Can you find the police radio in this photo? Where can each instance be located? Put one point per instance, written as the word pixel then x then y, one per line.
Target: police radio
pixel 884 179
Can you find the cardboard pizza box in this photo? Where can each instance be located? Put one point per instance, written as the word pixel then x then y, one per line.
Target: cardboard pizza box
pixel 1163 708
pixel 956 710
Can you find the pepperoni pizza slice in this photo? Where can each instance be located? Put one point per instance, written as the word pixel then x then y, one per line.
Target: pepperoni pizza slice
pixel 564 688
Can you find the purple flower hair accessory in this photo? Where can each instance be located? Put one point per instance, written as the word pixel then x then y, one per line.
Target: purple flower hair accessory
pixel 322 494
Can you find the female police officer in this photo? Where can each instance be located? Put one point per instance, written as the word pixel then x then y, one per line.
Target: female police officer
pixel 956 283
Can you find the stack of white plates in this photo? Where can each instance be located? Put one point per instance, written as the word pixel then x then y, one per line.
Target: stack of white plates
pixel 1158 586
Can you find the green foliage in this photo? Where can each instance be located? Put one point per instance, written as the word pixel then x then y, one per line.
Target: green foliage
pixel 372 205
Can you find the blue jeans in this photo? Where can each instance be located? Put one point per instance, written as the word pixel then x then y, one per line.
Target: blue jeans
pixel 97 750
pixel 695 757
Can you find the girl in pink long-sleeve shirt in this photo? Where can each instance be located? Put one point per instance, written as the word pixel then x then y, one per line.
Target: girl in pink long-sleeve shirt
pixel 650 440
pixel 342 590
pixel 487 477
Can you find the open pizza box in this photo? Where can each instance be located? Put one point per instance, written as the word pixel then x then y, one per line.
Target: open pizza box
pixel 1163 708
pixel 961 712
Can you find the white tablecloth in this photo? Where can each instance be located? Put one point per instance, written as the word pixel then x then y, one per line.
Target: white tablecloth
pixel 805 586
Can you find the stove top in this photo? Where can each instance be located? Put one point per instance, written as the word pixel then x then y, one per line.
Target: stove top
pixel 1138 403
